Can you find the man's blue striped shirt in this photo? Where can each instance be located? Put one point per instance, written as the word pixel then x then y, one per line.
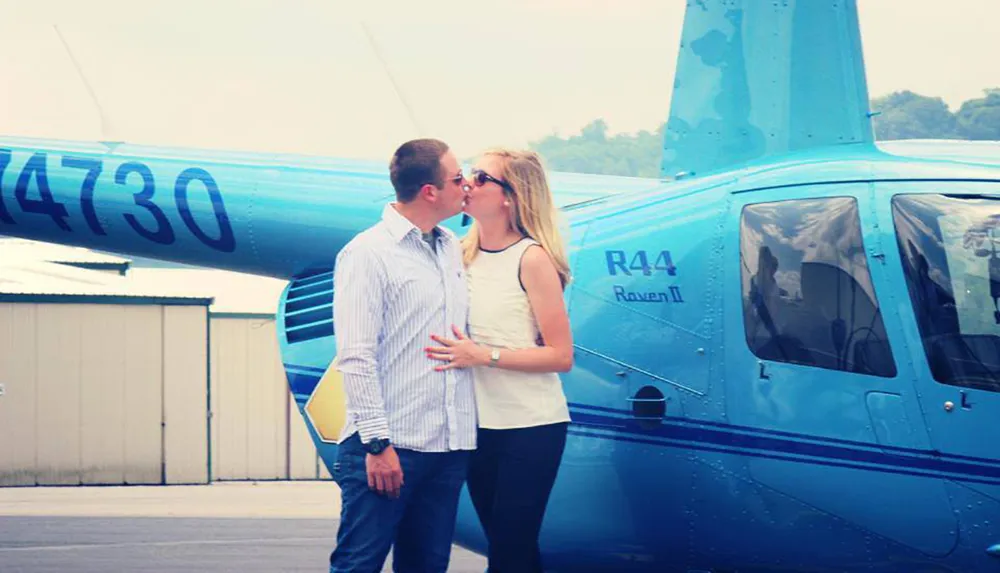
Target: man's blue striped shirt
pixel 391 292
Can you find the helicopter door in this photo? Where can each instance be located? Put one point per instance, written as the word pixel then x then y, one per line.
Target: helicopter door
pixel 946 265
pixel 812 374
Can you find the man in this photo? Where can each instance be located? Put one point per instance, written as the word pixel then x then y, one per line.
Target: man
pixel 404 449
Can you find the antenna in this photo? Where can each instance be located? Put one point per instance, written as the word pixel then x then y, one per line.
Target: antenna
pixel 399 93
pixel 106 127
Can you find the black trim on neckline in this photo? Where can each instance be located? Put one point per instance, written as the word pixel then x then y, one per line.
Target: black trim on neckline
pixel 503 249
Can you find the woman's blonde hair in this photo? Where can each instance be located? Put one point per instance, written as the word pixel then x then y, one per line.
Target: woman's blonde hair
pixel 534 213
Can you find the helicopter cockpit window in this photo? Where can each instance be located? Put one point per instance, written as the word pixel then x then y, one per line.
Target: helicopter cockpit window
pixel 807 292
pixel 950 249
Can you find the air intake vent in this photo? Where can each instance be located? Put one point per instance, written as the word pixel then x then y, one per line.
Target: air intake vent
pixel 309 308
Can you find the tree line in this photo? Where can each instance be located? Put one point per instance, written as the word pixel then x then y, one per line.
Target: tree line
pixel 899 115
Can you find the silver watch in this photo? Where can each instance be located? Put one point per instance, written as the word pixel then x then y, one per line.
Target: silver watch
pixel 494 356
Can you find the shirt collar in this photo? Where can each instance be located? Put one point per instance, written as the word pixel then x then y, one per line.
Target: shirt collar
pixel 400 227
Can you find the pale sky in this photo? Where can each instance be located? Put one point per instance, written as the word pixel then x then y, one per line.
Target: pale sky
pixel 302 76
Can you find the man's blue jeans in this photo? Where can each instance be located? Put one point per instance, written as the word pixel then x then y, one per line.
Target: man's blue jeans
pixel 419 524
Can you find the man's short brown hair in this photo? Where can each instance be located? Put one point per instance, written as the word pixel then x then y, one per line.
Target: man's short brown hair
pixel 415 164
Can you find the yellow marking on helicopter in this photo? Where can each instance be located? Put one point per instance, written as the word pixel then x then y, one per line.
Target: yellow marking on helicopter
pixel 327 406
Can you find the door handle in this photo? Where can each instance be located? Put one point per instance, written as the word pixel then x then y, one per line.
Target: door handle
pixel 643 405
pixel 648 405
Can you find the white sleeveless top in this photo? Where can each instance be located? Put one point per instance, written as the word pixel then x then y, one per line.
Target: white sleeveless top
pixel 500 316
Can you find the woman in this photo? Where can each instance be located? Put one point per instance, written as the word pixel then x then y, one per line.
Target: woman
pixel 519 338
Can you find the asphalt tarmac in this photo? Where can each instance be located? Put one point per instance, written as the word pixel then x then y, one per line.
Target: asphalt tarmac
pixel 239 527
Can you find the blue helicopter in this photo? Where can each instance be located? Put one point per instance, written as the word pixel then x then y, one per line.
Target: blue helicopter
pixel 787 347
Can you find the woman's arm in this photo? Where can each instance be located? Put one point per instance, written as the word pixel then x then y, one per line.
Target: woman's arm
pixel 545 295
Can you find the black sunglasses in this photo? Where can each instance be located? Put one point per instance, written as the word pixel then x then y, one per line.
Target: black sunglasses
pixel 480 177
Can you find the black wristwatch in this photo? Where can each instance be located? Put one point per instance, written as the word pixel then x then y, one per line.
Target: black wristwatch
pixel 377 446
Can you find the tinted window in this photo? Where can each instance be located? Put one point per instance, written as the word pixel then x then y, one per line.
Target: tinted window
pixel 807 293
pixel 950 249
